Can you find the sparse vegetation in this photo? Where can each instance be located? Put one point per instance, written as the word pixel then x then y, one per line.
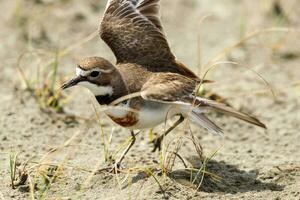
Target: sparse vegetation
pixel 45 87
pixel 251 55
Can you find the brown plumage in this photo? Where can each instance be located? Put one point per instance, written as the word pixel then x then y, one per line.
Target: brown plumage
pixel 95 62
pixel 168 87
pixel 133 31
pixel 147 68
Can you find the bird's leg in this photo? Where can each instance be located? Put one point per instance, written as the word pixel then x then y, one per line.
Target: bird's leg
pixel 118 163
pixel 157 141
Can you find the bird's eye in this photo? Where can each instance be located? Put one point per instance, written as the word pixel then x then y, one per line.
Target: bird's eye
pixel 94 74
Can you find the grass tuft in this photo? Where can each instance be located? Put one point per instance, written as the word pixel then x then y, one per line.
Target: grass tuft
pixel 13 168
pixel 44 88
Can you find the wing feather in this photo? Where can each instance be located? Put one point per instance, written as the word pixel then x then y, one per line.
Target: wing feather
pixel 205 122
pixel 168 87
pixel 227 110
pixel 150 9
pixel 132 29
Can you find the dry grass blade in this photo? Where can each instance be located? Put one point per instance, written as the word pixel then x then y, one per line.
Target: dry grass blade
pixel 48 177
pixel 226 51
pixel 54 164
pixel 43 87
pixel 124 98
pixel 13 168
pixel 244 66
pixel 151 174
pixel 74 46
pixel 54 71
pixel 46 173
pixel 181 158
pixel 103 136
pixel 24 78
pixel 31 188
pixel 196 143
pixel 203 169
pixel 199 53
pixel 175 154
pixel 79 43
pixel 120 147
pixel 61 147
pixel 106 141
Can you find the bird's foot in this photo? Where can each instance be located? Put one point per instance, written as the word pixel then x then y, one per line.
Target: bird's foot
pixel 115 168
pixel 157 143
pixel 112 167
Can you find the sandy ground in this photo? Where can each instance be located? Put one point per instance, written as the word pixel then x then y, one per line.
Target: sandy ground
pixel 250 163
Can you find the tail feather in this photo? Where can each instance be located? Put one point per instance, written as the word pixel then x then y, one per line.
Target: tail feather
pixel 222 108
pixel 205 122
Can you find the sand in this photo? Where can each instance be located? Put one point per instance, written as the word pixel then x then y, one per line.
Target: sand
pixel 250 163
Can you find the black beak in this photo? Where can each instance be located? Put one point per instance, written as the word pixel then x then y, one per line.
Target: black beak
pixel 73 82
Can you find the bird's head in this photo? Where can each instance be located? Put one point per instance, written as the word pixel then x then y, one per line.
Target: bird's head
pixel 94 73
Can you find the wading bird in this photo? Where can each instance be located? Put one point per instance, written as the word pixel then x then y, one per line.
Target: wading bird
pixel 146 67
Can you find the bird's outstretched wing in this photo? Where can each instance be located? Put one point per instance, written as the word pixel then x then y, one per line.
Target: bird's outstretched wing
pixel 132 29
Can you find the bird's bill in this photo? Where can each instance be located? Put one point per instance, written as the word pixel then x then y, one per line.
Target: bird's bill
pixel 72 82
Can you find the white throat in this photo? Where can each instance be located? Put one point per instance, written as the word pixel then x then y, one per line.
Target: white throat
pixel 97 90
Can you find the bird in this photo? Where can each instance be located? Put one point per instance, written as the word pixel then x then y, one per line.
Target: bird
pixel 160 86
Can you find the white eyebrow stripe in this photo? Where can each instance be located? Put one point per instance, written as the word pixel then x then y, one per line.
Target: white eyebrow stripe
pixel 81 72
pixel 105 70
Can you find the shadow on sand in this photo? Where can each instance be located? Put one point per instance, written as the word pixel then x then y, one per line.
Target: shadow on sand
pixel 232 180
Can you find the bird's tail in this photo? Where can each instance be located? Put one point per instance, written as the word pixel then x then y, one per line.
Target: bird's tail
pixel 201 106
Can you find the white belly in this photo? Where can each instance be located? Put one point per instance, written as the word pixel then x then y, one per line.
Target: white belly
pixel 149 116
